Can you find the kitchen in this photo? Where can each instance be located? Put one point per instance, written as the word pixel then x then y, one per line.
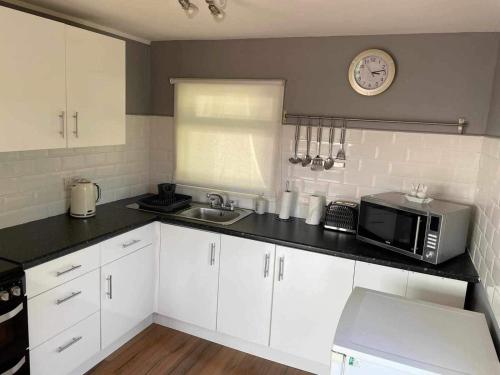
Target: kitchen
pixel 210 112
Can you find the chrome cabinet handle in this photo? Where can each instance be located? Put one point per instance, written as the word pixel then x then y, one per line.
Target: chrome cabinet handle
pixel 73 341
pixel 281 271
pixel 72 268
pixel 415 244
pixel 16 367
pixel 266 265
pixel 61 116
pixel 75 132
pixel 212 254
pixel 12 313
pixel 72 295
pixel 110 286
pixel 132 242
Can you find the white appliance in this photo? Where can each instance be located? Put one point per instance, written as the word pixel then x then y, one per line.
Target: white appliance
pixel 84 196
pixel 380 333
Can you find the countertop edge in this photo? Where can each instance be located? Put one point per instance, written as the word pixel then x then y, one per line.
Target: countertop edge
pixel 226 230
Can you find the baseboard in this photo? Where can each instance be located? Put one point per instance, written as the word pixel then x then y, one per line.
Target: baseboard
pixel 244 346
pixel 95 360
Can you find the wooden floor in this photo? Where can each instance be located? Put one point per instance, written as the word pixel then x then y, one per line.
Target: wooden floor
pixel 160 350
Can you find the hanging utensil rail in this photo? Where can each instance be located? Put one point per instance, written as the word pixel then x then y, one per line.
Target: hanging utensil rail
pixel 460 124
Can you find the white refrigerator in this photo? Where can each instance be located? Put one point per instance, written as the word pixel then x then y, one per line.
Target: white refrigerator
pixel 383 334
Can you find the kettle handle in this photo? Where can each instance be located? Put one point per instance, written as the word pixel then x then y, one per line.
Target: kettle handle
pixel 98 193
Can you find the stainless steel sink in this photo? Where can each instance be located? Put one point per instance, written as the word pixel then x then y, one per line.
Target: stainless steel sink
pixel 214 215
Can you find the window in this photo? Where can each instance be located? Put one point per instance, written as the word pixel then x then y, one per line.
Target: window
pixel 227 133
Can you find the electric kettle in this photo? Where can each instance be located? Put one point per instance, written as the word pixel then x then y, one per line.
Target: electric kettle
pixel 84 195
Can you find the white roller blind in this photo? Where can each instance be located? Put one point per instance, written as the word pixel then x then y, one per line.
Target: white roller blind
pixel 227 133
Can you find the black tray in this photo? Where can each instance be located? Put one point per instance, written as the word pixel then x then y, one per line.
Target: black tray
pixel 155 203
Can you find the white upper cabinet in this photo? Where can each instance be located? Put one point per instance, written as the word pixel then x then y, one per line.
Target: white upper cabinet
pixel 245 289
pixel 32 82
pixel 309 295
pixel 61 86
pixel 96 88
pixel 189 275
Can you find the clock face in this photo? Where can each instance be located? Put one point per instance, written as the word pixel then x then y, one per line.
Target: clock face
pixel 372 72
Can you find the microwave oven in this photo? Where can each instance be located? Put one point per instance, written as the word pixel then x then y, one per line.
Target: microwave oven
pixel 432 232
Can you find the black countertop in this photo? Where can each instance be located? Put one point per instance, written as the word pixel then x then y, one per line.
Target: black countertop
pixel 36 242
pixel 9 270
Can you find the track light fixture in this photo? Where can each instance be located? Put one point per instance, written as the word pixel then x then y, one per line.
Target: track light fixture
pixel 188 7
pixel 215 9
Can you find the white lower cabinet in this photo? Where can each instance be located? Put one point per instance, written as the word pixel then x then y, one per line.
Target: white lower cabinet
pixel 285 299
pixel 245 289
pixel 436 289
pixel 381 278
pixel 189 275
pixel 127 293
pixel 67 351
pixel 58 309
pixel 411 284
pixel 309 295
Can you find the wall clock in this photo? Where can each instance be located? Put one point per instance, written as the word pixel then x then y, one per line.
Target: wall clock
pixel 372 72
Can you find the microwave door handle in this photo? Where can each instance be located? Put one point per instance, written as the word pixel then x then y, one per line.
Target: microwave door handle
pixel 415 244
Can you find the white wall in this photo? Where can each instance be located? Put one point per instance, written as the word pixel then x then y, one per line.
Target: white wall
pixel 32 182
pixel 485 243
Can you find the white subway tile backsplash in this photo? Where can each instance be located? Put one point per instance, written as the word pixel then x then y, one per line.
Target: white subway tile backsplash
pixel 381 161
pixel 374 166
pixel 485 241
pixel 378 138
pixel 355 177
pixel 32 182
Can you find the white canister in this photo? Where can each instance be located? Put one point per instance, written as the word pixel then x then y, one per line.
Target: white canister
pixel 260 205
pixel 286 205
pixel 315 211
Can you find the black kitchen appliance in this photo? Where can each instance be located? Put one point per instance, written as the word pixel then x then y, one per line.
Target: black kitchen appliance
pixel 14 355
pixel 166 201
pixel 342 216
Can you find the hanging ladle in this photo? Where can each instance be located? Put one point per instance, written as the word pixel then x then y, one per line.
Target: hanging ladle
pixel 295 159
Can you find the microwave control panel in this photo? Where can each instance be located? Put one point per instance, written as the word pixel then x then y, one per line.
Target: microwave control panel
pixel 432 240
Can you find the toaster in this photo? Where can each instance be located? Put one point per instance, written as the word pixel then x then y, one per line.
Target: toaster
pixel 342 216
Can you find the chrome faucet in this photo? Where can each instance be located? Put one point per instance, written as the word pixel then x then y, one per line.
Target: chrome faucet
pixel 217 201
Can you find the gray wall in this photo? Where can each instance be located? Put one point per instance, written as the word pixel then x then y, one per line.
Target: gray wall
pixel 138 63
pixel 440 76
pixel 494 115
pixel 138 81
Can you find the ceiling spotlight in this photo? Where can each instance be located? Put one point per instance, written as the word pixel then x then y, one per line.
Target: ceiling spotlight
pixel 216 11
pixel 188 7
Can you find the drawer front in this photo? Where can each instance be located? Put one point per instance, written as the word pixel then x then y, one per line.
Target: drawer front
pixel 58 309
pixel 68 350
pixel 126 243
pixel 58 271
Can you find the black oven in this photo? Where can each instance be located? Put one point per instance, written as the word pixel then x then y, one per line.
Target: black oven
pixel 13 327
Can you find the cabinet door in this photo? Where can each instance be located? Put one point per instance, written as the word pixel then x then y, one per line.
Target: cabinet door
pixel 189 270
pixel 96 88
pixel 245 289
pixel 310 292
pixel 381 278
pixel 127 293
pixel 436 289
pixel 32 82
